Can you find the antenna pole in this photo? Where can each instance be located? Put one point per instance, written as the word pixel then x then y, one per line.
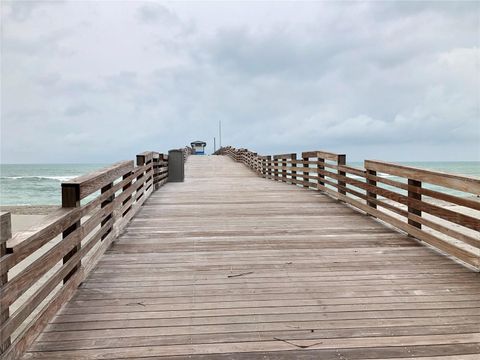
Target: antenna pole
pixel 220 133
pixel 214 146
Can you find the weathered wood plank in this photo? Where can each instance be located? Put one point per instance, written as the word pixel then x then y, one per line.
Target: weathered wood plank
pixel 94 181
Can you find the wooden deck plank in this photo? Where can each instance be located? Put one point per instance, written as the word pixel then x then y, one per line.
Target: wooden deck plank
pixel 228 265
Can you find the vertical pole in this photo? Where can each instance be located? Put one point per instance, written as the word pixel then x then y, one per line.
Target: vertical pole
pixel 370 194
pixel 269 166
pixel 214 145
pixel 275 168
pixel 284 169
pixel 71 199
pixel 341 160
pixel 220 133
pixel 125 187
pixel 5 234
pixel 104 204
pixel 320 166
pixel 415 196
pixel 140 162
pixel 306 172
pixel 164 158
pixel 293 164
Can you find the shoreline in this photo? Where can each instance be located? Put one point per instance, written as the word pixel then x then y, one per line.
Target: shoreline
pixel 29 209
pixel 24 217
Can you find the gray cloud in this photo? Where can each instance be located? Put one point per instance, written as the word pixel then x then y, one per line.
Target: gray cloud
pixel 77 110
pixel 151 13
pixel 393 80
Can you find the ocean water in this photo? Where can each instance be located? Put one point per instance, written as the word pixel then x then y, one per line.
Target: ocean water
pixel 39 184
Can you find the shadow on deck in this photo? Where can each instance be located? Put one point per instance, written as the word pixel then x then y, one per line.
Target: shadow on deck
pixel 228 265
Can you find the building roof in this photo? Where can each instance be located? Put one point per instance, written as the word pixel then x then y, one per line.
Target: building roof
pixel 201 143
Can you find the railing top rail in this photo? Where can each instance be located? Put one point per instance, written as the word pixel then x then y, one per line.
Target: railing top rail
pixel 285 156
pixel 322 155
pixel 464 183
pixel 88 184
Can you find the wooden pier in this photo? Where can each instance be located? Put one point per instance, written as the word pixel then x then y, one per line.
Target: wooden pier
pixel 232 265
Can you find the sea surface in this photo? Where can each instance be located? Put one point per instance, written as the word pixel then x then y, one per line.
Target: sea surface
pixel 39 184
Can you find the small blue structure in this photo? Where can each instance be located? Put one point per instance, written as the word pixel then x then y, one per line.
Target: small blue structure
pixel 198 147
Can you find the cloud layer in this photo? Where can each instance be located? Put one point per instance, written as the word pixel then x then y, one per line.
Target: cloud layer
pixel 101 81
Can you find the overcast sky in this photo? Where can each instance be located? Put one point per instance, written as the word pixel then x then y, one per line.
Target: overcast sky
pixel 87 81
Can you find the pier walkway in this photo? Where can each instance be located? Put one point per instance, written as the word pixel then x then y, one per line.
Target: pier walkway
pixel 229 265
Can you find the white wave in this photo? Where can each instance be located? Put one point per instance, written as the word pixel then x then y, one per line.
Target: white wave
pixel 383 175
pixel 40 177
pixel 356 177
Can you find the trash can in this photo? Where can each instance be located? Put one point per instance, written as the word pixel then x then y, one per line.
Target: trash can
pixel 176 171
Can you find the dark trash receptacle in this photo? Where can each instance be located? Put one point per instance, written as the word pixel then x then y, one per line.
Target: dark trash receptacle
pixel 176 172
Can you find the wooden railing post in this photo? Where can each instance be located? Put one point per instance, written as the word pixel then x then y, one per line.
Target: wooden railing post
pixel 373 183
pixel 284 169
pixel 140 162
pixel 320 166
pixel 415 196
pixel 71 199
pixel 124 188
pixel 269 166
pixel 5 234
pixel 342 160
pixel 164 160
pixel 276 164
pixel 306 171
pixel 293 173
pixel 146 159
pixel 109 200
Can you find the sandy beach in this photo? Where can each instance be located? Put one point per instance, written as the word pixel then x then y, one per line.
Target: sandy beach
pixel 24 217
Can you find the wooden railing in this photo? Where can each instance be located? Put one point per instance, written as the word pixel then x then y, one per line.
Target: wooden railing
pixel 437 208
pixel 41 268
pixel 187 151
pixel 160 169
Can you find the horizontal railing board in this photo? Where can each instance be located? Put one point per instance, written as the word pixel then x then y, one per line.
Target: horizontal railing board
pixel 25 243
pixel 88 184
pixel 41 293
pixel 446 214
pixel 322 155
pixel 457 182
pixel 461 201
pixel 285 156
pixel 463 255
